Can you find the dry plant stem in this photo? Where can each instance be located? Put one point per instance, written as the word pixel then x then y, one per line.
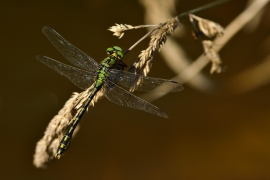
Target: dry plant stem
pixel 235 26
pixel 254 23
pixel 145 26
pixel 202 8
pixel 140 40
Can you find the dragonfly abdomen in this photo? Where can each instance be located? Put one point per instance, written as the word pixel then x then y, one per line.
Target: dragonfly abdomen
pixel 67 137
pixel 101 75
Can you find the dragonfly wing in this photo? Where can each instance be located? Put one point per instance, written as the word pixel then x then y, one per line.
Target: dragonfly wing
pixel 122 97
pixel 69 51
pixel 127 79
pixel 81 78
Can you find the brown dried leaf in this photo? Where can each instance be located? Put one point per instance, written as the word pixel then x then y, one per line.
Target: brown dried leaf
pixel 209 28
pixel 213 56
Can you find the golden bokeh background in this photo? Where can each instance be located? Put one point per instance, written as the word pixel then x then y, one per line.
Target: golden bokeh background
pixel 214 134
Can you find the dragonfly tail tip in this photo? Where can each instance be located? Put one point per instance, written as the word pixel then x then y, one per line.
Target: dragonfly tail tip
pixel 58 156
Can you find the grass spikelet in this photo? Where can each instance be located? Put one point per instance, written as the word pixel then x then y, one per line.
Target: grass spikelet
pixel 118 29
pixel 47 146
pixel 84 95
pixel 144 64
pixel 157 41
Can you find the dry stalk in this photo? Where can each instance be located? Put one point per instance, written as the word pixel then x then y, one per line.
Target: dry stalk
pixel 156 42
pixel 47 146
pixel 144 64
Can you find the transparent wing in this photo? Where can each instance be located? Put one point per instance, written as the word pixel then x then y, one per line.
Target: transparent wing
pixel 127 79
pixel 69 51
pixel 81 78
pixel 121 97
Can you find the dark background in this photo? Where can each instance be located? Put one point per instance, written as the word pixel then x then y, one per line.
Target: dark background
pixel 214 135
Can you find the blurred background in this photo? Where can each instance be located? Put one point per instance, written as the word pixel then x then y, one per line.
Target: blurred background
pixel 218 128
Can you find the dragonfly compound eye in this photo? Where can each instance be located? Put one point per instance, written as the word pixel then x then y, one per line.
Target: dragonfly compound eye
pixel 117 48
pixel 119 54
pixel 110 51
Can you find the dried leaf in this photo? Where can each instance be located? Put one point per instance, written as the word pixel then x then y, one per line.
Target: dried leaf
pixel 213 56
pixel 209 28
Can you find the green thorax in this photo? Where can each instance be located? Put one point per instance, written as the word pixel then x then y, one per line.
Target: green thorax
pixel 115 56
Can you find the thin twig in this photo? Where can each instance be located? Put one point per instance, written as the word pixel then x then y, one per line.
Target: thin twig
pixel 202 8
pixel 140 40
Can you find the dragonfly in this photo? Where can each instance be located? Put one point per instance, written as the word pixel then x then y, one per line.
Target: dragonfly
pixel 108 77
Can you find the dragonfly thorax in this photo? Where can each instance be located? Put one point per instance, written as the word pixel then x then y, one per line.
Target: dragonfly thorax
pixel 109 62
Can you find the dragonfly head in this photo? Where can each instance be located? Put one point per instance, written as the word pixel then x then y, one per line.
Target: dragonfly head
pixel 115 51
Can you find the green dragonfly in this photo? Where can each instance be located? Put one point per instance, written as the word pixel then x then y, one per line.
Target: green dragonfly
pixel 106 77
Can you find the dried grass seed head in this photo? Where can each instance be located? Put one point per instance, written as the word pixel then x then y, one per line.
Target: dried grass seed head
pixel 118 29
pixel 156 42
pixel 208 28
pixel 46 147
